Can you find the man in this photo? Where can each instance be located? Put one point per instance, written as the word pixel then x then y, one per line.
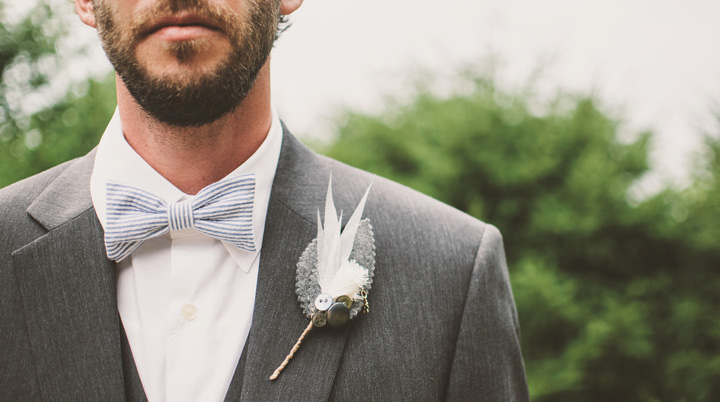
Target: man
pixel 185 315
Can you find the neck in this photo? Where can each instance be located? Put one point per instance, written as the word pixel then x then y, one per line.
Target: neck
pixel 192 158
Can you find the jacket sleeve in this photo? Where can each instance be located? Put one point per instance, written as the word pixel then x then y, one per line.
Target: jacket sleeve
pixel 487 364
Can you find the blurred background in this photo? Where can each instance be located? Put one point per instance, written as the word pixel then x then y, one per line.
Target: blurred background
pixel 588 132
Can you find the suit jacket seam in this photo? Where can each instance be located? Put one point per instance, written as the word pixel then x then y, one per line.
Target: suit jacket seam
pixel 462 313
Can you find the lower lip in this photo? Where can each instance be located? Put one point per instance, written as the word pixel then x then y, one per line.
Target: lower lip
pixel 183 33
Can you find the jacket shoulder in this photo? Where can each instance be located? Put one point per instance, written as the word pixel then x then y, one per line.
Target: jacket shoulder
pixel 17 227
pixel 302 181
pixel 22 193
pixel 410 209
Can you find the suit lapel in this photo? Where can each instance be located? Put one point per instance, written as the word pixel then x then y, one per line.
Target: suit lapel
pixel 68 291
pixel 278 320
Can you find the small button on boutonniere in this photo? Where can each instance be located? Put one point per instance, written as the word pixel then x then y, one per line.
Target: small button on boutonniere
pixel 334 273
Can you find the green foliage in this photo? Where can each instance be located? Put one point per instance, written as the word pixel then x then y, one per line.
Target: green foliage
pixel 617 301
pixel 23 45
pixel 64 131
pixel 33 141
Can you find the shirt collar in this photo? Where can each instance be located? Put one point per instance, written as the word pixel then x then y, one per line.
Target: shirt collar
pixel 117 161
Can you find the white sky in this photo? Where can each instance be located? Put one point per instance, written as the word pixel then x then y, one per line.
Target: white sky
pixel 659 61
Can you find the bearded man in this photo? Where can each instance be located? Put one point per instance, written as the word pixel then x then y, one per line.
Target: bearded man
pixel 167 264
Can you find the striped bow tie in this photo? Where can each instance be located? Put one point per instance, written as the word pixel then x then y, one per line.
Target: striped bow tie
pixel 222 210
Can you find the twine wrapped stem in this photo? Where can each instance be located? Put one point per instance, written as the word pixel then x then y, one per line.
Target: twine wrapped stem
pixel 285 362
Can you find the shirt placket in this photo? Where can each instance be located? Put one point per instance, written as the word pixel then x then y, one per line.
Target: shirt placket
pixel 184 316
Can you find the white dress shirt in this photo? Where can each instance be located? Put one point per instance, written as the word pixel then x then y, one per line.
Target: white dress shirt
pixel 185 299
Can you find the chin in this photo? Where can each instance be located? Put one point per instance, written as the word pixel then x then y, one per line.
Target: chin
pixel 182 63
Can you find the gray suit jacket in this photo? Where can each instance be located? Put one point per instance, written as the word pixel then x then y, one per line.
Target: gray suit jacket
pixel 442 323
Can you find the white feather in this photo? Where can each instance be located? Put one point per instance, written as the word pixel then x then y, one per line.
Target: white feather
pixel 348 235
pixel 336 274
pixel 349 279
pixel 327 240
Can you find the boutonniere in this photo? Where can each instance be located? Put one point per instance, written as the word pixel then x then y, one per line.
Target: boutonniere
pixel 334 273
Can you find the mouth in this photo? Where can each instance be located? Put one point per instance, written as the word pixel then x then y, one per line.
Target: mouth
pixel 181 26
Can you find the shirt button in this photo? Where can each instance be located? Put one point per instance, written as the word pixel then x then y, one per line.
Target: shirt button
pixel 189 312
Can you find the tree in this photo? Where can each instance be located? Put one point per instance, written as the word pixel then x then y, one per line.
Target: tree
pixel 33 139
pixel 615 298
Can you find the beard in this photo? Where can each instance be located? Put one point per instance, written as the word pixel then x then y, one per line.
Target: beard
pixel 200 97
